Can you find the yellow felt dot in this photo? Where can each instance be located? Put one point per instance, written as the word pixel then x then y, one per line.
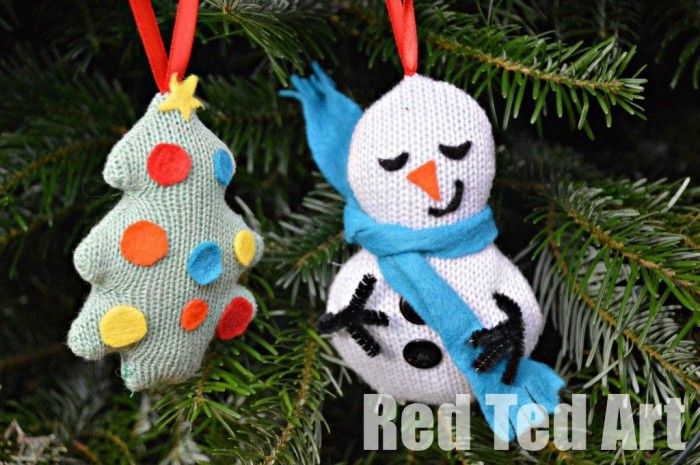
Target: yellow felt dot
pixel 122 325
pixel 244 247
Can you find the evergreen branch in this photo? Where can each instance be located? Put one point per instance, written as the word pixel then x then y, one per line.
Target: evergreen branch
pixel 308 257
pixel 310 352
pixel 628 219
pixel 49 185
pixel 571 77
pixel 74 414
pixel 199 397
pixel 242 392
pixel 597 20
pixel 51 149
pixel 246 113
pixel 453 46
pixel 309 243
pixel 680 22
pixel 77 147
pixel 117 441
pixel 14 361
pixel 607 241
pixel 15 233
pixel 290 31
pixel 607 316
pixel 618 303
pixel 85 451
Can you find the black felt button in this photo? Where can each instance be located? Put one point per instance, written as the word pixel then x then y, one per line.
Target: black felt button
pixel 410 314
pixel 422 354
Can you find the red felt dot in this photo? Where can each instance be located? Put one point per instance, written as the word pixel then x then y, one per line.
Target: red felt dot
pixel 237 315
pixel 168 164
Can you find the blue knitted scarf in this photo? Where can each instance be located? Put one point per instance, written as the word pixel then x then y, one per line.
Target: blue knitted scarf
pixel 403 255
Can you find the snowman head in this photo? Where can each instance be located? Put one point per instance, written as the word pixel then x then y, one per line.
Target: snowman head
pixel 422 155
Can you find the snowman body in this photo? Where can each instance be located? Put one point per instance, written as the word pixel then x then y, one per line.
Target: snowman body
pixel 423 156
pixel 413 365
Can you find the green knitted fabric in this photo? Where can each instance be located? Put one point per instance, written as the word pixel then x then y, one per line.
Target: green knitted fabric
pixel 170 253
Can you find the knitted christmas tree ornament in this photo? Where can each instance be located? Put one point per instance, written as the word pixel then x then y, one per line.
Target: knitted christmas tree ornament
pixel 429 307
pixel 163 263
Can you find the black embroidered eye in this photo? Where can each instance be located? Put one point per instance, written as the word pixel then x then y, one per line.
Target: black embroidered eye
pixel 456 152
pixel 393 164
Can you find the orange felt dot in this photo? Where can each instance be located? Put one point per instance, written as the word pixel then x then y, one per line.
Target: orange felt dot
pixel 237 315
pixel 144 243
pixel 193 314
pixel 168 164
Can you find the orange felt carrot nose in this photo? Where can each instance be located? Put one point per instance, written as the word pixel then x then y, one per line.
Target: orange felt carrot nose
pixel 425 177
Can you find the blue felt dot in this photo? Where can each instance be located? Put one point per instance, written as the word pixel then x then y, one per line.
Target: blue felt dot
pixel 223 167
pixel 204 264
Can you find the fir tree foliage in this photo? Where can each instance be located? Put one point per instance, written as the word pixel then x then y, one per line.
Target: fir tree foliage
pixel 483 54
pixel 679 20
pixel 607 231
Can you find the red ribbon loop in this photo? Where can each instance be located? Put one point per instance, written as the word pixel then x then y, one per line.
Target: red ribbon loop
pixel 403 23
pixel 163 66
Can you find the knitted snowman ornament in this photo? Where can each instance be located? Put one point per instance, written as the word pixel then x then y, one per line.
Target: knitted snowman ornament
pixel 163 263
pixel 429 307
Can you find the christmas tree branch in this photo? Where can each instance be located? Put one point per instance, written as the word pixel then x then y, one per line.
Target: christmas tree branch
pixel 52 150
pixel 243 391
pixel 309 243
pixel 310 256
pixel 680 22
pixel 117 441
pixel 606 240
pixel 199 397
pixel 73 148
pixel 310 354
pixel 260 128
pixel 450 45
pixel 293 32
pixel 620 19
pixel 84 450
pixel 41 221
pixel 15 361
pixel 501 59
pixel 606 213
pixel 605 315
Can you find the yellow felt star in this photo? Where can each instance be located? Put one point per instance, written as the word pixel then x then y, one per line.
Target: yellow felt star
pixel 181 97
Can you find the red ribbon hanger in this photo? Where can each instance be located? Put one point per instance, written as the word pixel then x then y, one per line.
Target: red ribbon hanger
pixel 163 66
pixel 403 23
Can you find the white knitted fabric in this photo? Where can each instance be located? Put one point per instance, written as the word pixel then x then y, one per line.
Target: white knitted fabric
pixel 475 278
pixel 416 117
pixel 191 212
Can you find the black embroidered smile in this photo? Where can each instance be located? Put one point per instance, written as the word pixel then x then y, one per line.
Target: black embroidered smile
pixel 454 202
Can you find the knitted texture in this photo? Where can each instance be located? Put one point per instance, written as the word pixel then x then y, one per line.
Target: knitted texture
pixel 420 167
pixel 474 277
pixel 416 117
pixel 177 266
